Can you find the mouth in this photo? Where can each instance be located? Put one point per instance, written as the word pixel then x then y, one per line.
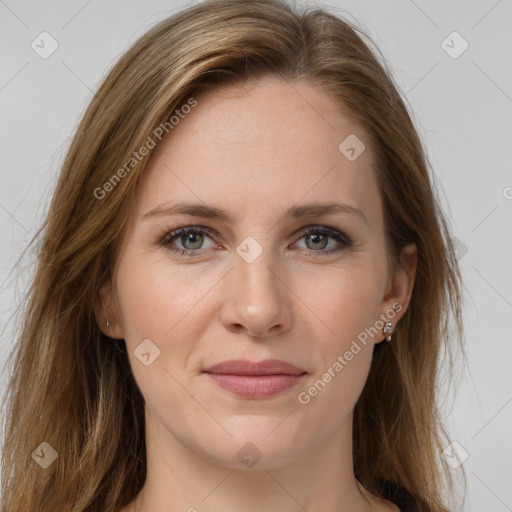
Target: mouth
pixel 255 380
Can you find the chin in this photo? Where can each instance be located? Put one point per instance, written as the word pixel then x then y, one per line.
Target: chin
pixel 256 442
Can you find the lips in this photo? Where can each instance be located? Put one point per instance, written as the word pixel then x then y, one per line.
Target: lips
pixel 250 379
pixel 246 367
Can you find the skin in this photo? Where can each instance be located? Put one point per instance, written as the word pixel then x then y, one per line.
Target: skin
pixel 289 303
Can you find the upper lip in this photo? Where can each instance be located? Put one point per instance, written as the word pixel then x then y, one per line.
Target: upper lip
pixel 247 367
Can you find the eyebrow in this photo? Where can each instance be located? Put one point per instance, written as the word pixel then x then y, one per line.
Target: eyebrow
pixel 212 212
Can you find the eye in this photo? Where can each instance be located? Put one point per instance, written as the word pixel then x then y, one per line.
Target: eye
pixel 191 239
pixel 317 240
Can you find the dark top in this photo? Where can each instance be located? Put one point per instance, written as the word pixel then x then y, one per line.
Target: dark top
pixel 401 498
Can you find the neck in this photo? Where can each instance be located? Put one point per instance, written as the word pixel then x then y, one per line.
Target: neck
pixel 181 478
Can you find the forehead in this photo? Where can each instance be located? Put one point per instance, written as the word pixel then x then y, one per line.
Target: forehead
pixel 262 145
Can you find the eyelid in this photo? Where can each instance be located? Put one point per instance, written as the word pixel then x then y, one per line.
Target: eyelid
pixel 326 230
pixel 174 232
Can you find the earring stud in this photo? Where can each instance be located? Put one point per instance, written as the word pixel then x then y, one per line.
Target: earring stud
pixel 388 330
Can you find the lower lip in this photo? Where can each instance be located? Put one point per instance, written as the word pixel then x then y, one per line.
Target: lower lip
pixel 255 386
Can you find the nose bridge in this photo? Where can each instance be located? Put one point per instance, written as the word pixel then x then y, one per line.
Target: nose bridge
pixel 255 267
pixel 257 297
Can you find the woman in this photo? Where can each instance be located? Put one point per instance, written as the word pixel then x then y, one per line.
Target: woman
pixel 186 346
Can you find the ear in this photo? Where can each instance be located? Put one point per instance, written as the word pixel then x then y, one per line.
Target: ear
pixel 401 283
pixel 105 310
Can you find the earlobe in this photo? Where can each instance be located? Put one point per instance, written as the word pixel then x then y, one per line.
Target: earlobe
pixel 401 284
pixel 106 314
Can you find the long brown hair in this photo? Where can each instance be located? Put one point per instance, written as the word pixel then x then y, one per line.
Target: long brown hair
pixel 72 387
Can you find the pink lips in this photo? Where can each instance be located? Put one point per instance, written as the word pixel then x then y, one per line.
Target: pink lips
pixel 255 379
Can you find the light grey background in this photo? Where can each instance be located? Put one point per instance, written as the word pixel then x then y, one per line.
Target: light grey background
pixel 462 107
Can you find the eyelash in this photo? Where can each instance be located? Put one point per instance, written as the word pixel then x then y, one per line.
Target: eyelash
pixel 169 236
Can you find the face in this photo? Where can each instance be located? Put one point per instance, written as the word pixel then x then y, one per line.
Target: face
pixel 273 278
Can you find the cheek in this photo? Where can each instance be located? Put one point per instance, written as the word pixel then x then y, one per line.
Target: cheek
pixel 156 300
pixel 347 307
pixel 158 303
pixel 346 299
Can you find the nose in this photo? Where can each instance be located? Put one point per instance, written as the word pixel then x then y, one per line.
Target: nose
pixel 256 298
